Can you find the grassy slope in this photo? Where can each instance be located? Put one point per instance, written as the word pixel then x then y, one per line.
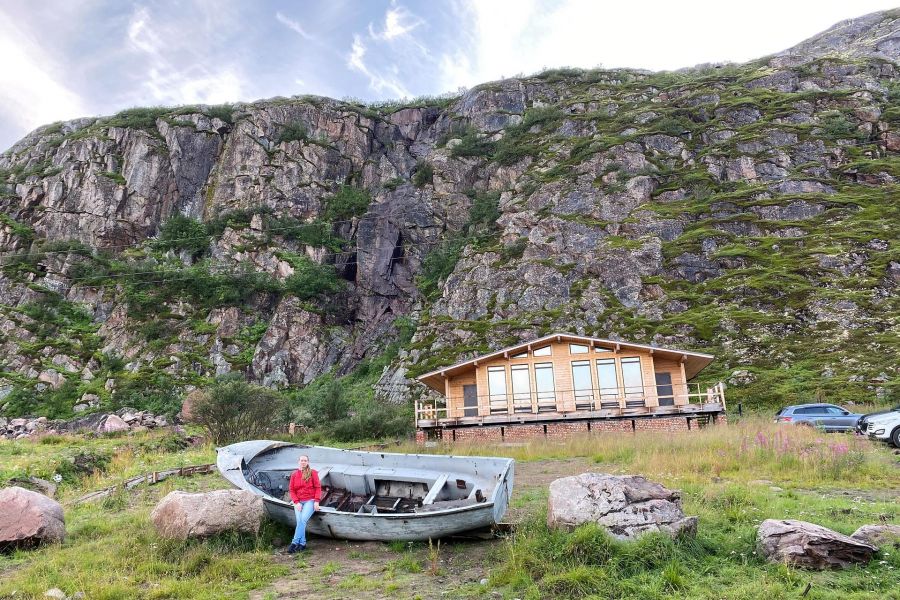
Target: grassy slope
pixel 727 475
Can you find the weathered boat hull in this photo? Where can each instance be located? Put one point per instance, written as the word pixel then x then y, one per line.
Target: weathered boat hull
pixel 239 461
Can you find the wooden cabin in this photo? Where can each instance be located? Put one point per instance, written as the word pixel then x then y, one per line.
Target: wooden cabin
pixel 564 383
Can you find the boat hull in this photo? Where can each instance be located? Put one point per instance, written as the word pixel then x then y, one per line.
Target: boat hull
pixel 234 462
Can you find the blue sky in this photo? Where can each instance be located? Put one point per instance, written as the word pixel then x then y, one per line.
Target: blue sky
pixel 64 59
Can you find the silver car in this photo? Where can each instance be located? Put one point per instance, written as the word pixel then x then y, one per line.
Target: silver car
pixel 824 416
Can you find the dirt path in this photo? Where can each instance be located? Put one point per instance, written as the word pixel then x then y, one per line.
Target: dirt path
pixel 334 569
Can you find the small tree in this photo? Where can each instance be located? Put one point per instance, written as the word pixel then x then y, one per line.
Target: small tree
pixel 233 410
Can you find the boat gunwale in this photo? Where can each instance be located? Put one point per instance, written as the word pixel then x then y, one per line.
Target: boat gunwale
pixel 502 477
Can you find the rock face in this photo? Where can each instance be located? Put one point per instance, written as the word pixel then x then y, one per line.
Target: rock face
pixel 28 518
pixel 878 535
pixel 182 515
pixel 808 545
pixel 603 202
pixel 626 505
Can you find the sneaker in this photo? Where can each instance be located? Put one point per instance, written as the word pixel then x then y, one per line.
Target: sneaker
pixel 292 548
pixel 301 547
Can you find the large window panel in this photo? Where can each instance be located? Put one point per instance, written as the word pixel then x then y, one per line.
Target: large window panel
pixel 632 381
pixel 582 385
pixel 497 389
pixel 521 388
pixel 546 388
pixel 608 382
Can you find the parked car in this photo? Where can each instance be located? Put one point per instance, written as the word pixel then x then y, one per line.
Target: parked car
pixel 826 416
pixel 863 422
pixel 884 426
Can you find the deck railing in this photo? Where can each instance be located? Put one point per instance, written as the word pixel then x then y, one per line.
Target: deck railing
pixel 569 401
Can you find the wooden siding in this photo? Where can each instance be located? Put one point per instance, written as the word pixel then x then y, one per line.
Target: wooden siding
pixel 561 359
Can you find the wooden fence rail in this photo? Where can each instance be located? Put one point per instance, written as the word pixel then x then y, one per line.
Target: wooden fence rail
pixel 149 478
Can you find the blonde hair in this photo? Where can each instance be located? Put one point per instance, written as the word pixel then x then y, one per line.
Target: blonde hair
pixel 305 472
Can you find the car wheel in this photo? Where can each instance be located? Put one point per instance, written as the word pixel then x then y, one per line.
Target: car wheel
pixel 895 437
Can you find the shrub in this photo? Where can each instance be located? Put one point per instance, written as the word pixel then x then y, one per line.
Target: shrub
pixel 346 203
pixel 437 265
pixel 138 118
pixel 223 112
pixel 156 392
pixel 837 126
pixel 312 280
pixel 424 175
pixel 293 132
pixel 232 410
pixel 179 232
pixel 472 144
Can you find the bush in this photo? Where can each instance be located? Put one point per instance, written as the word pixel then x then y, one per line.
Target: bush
pixel 293 132
pixel 347 203
pixel 138 118
pixel 179 232
pixel 838 126
pixel 424 175
pixel 233 410
pixel 472 144
pixel 312 280
pixel 156 392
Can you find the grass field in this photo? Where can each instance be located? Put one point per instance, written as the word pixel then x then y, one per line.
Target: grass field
pixel 731 477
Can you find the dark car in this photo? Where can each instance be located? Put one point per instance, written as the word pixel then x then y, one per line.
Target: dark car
pixel 864 420
pixel 825 416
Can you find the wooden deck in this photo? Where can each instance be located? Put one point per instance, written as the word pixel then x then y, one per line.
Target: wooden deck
pixel 588 406
pixel 545 417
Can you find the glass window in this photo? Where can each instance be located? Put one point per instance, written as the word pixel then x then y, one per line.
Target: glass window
pixel 581 382
pixel 543 380
pixel 577 349
pixel 599 349
pixel 497 388
pixel 545 351
pixel 608 380
pixel 520 355
pixel 521 387
pixel 834 410
pixel 632 380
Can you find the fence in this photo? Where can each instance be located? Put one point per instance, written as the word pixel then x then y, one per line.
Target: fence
pixel 568 401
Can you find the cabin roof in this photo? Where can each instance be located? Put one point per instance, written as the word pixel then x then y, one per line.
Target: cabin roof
pixel 694 362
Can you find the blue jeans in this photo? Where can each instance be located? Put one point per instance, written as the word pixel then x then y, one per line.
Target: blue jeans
pixel 302 511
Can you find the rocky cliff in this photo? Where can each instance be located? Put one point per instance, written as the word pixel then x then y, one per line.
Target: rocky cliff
pixel 747 210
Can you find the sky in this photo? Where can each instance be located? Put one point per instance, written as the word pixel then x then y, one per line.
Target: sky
pixel 73 58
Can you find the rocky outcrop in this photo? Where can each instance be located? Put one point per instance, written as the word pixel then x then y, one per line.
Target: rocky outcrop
pixel 125 419
pixel 811 546
pixel 28 519
pixel 616 203
pixel 626 505
pixel 878 535
pixel 181 515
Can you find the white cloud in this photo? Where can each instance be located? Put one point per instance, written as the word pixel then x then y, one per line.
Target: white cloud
pixel 378 82
pixel 183 78
pixel 511 37
pixel 398 23
pixel 32 92
pixel 293 25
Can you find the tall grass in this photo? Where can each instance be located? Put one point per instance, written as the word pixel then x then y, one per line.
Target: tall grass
pixel 753 448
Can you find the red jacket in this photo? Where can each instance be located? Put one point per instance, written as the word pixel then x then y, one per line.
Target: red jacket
pixel 302 491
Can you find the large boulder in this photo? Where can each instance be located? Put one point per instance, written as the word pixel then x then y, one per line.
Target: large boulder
pixel 878 535
pixel 112 424
pixel 28 518
pixel 626 505
pixel 808 545
pixel 182 515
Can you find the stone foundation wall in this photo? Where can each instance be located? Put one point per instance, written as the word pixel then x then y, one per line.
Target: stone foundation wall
pixel 516 431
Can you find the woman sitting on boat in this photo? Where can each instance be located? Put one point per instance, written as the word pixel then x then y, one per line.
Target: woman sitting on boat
pixel 306 491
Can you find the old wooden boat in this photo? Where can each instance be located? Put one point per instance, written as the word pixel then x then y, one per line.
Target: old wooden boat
pixel 376 495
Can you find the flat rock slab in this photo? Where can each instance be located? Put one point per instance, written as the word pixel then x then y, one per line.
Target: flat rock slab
pixel 28 518
pixel 811 546
pixel 878 535
pixel 181 515
pixel 626 505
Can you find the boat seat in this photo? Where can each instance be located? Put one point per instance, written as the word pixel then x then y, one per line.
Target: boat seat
pixel 436 488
